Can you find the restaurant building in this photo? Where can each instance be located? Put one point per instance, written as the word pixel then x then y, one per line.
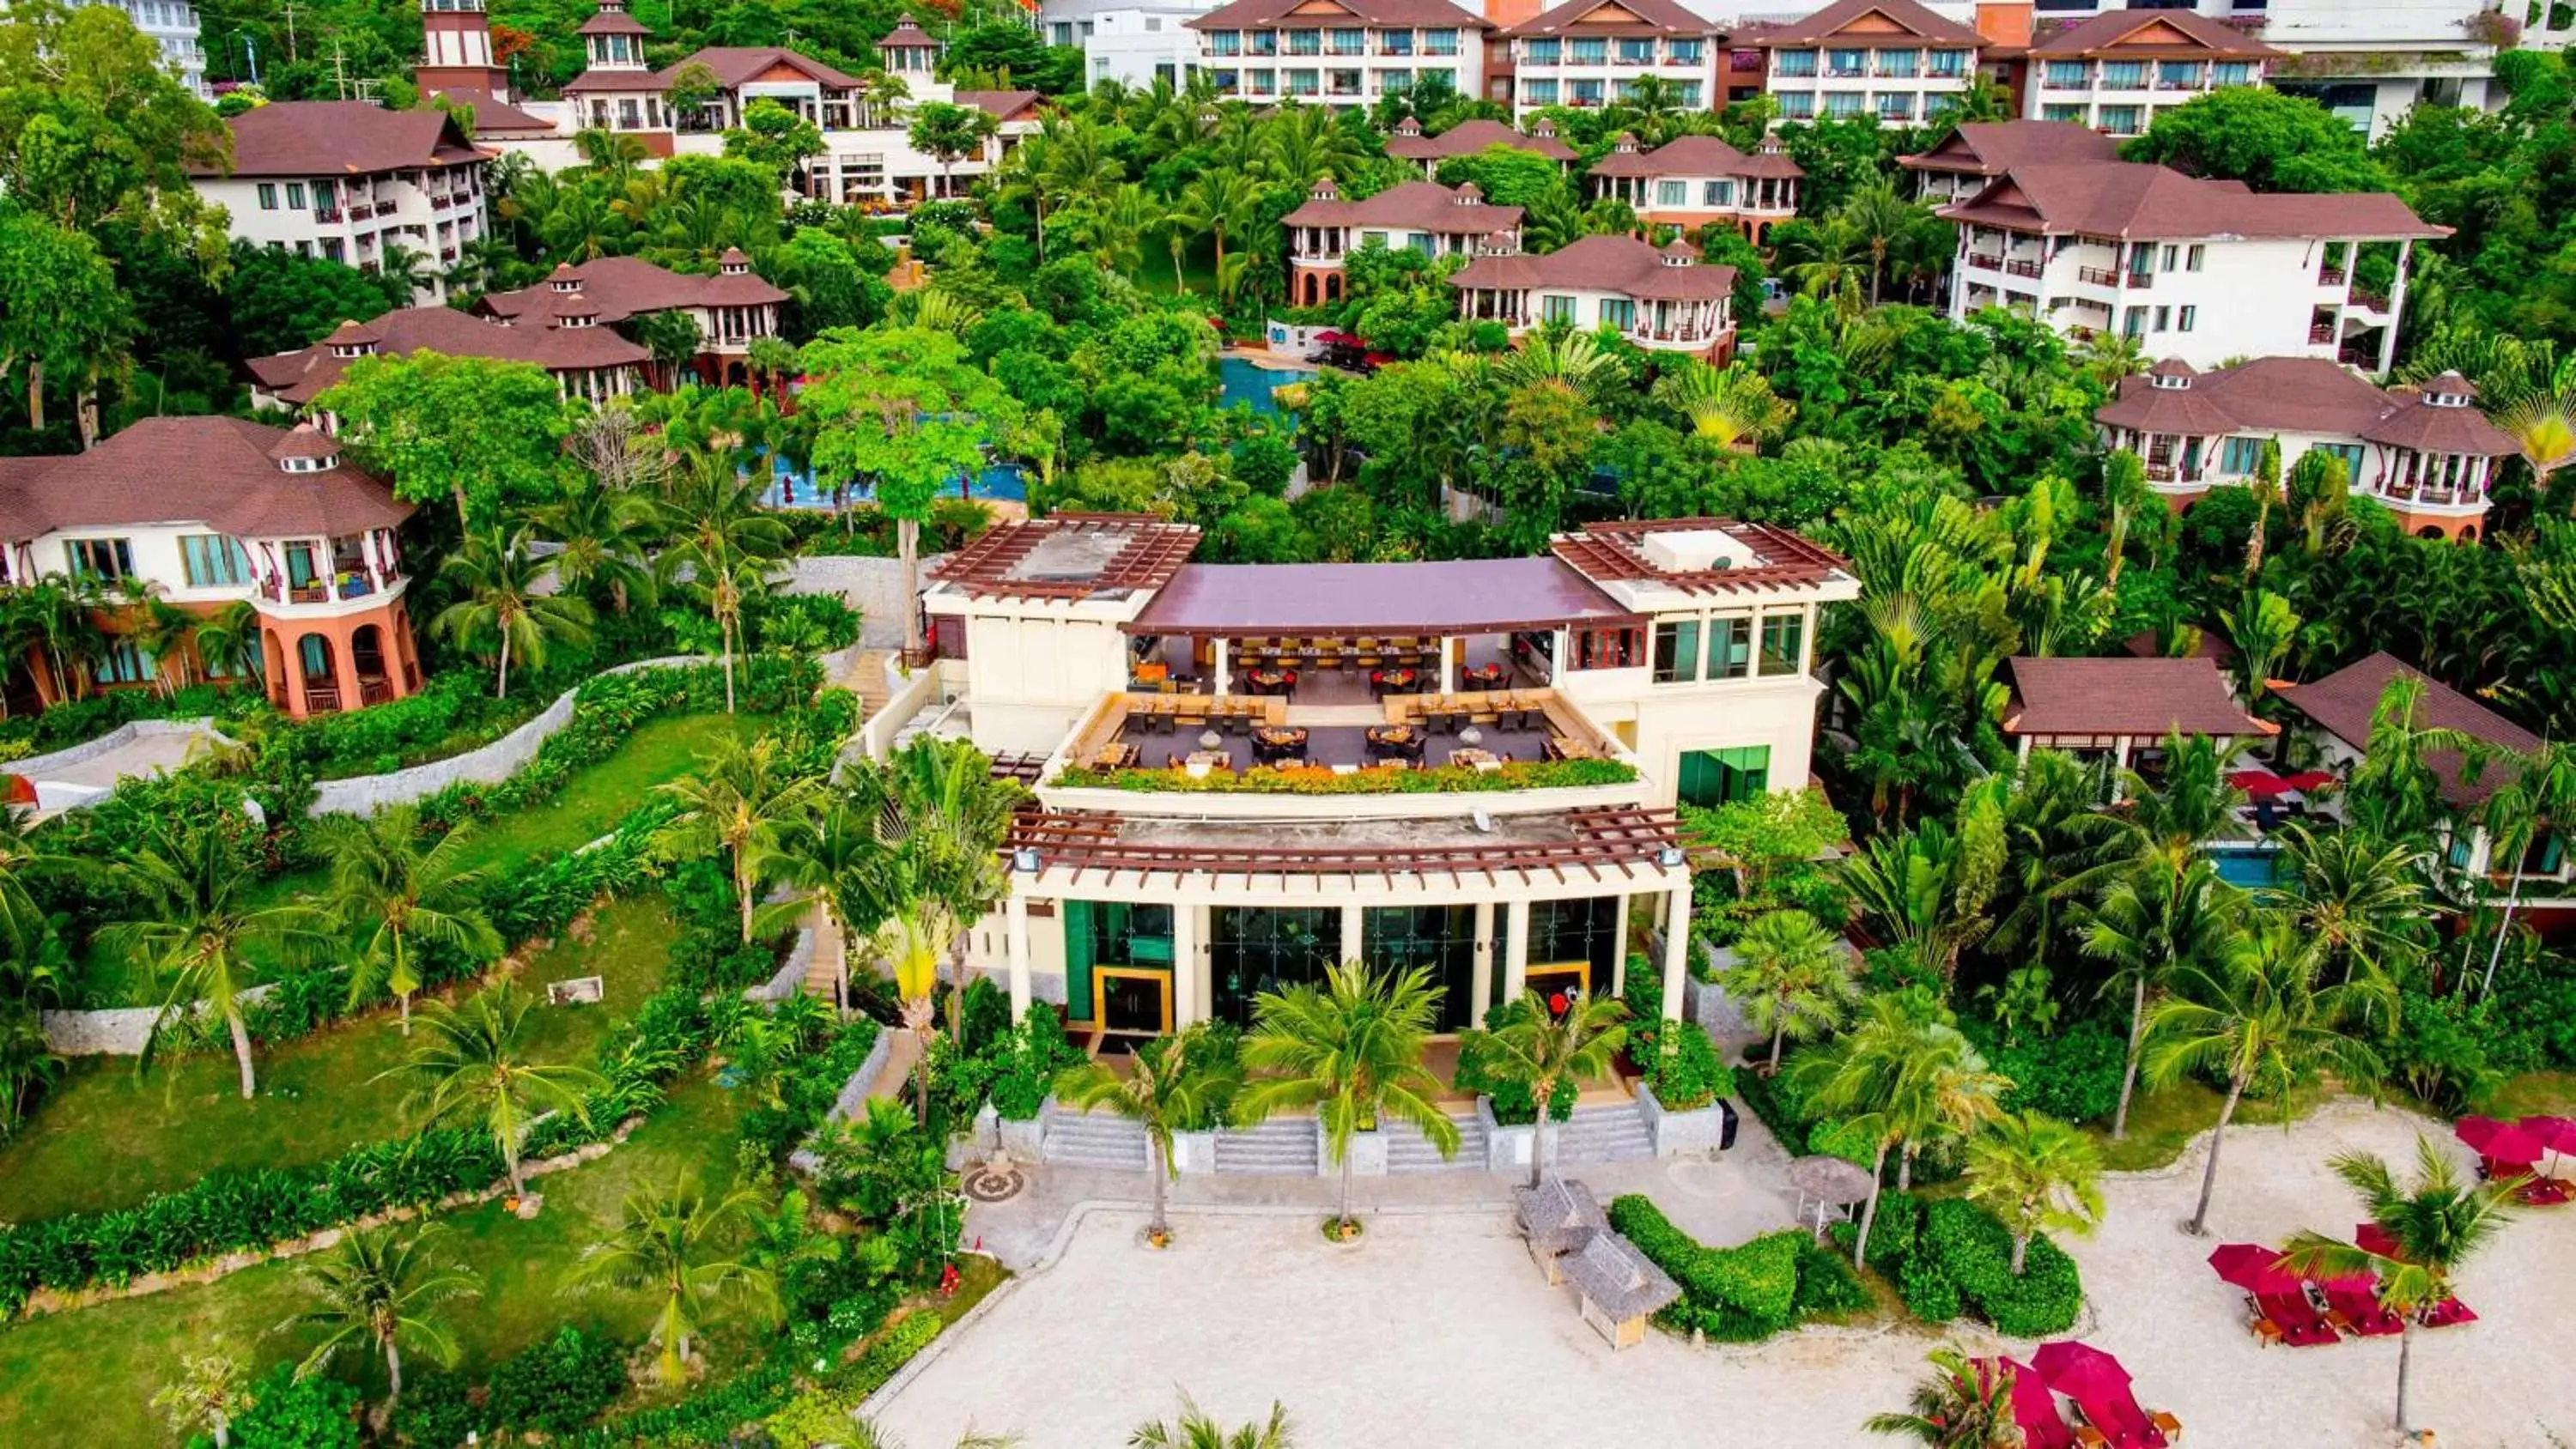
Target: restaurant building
pixel 1248 773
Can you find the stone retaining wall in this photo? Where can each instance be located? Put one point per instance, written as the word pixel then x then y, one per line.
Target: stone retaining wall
pixel 56 795
pixel 117 1031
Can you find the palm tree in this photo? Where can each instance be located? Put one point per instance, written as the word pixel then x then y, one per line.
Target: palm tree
pixel 949 133
pixel 228 641
pixel 1172 1085
pixel 1963 1404
pixel 382 1291
pixel 2109 356
pixel 779 1242
pixel 210 1392
pixel 393 895
pixel 724 544
pixel 194 929
pixel 2540 796
pixel 1901 1079
pixel 2435 1223
pixel 743 801
pixel 1725 405
pixel 1351 1050
pixel 1792 978
pixel 499 583
pixel 471 1066
pixel 406 273
pixel 1198 1429
pixel 2257 1015
pixel 1304 144
pixel 1542 1050
pixel 2037 1174
pixel 606 535
pixel 2359 896
pixel 1219 203
pixel 1887 226
pixel 673 1242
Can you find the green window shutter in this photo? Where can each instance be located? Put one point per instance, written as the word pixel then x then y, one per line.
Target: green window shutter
pixel 1077 960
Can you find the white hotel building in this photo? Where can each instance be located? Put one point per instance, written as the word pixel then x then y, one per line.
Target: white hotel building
pixel 1340 52
pixel 350 180
pixel 1591 53
pixel 1893 59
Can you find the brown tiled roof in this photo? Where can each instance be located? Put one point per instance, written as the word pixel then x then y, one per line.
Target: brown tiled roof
pixel 1898 16
pixel 1693 156
pixel 2186 411
pixel 496 117
pixel 1621 264
pixel 1264 14
pixel 2343 702
pixel 1470 137
pixel 736 64
pixel 221 472
pixel 1419 205
pixel 2173 34
pixel 341 138
pixel 1070 556
pixel 2143 698
pixel 1630 17
pixel 638 81
pixel 1000 105
pixel 612 22
pixel 617 288
pixel 2129 199
pixel 2413 423
pixel 17 475
pixel 906 35
pixel 299 377
pixel 1989 148
pixel 2302 395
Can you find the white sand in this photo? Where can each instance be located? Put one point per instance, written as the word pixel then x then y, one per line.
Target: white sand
pixel 1439 1333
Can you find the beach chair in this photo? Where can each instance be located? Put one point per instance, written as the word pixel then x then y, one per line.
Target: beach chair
pixel 2300 1324
pixel 2353 1306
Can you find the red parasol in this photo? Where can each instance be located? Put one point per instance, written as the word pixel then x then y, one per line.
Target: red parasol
pixel 2034 1407
pixel 2080 1371
pixel 2372 1238
pixel 2258 782
pixel 2309 780
pixel 2254 1268
pixel 1333 337
pixel 2502 1142
pixel 2558 1134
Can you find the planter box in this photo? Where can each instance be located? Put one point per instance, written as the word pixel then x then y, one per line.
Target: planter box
pixel 1194 1153
pixel 1508 1149
pixel 1368 1154
pixel 1697 1132
pixel 1706 1003
pixel 1025 1141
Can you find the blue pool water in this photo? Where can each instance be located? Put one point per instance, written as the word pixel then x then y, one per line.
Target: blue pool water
pixel 1249 382
pixel 794 488
pixel 2249 867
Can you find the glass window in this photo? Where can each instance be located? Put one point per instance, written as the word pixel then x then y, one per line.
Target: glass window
pixel 2235 73
pixel 1586 92
pixel 1901 64
pixel 1606 649
pixel 1396 42
pixel 1686 95
pixel 103 559
pixel 1676 651
pixel 2124 75
pixel 1252 950
pixel 1730 648
pixel 1222 42
pixel 1687 52
pixel 1349 42
pixel 1794 62
pixel 1440 42
pixel 2178 74
pixel 1305 42
pixel 1721 777
pixel 1443 938
pixel 1896 106
pixel 213 561
pixel 1717 193
pixel 122 663
pixel 268 196
pixel 1843 103
pixel 1949 63
pixel 2164 319
pixel 2135 323
pixel 2123 120
pixel 2066 74
pixel 299 565
pixel 1541 52
pixel 2062 113
pixel 1539 92
pixel 1672 193
pixel 1618 312
pixel 2349 452
pixel 1552 308
pixel 295 196
pixel 1797 105
pixel 1589 52
pixel 1784 638
pixel 1846 62
pixel 1635 50
pixel 2240 456
pixel 2188 316
pixel 2193 257
pixel 1582 931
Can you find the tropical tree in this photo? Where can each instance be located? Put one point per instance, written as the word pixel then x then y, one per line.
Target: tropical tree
pixel 2540 797
pixel 1901 1079
pixel 743 800
pixel 210 1392
pixel 194 928
pixel 2433 1225
pixel 499 582
pixel 949 134
pixel 2361 897
pixel 471 1066
pixel 2037 1174
pixel 1792 978
pixel 1351 1051
pixel 1218 203
pixel 605 535
pixel 228 641
pixel 781 1242
pixel 395 895
pixel 1543 1050
pixel 724 546
pixel 2258 1016
pixel 1196 1428
pixel 1963 1403
pixel 382 1291
pixel 675 1243
pixel 1725 405
pixel 1172 1084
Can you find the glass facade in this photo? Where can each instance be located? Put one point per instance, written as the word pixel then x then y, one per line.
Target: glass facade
pixel 1252 950
pixel 1399 938
pixel 1585 929
pixel 1110 933
pixel 1720 777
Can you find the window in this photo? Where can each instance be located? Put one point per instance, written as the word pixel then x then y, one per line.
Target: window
pixel 268 196
pixel 2135 323
pixel 1265 42
pixel 213 561
pixel 1797 105
pixel 1539 92
pixel 2235 73
pixel 1794 62
pixel 2123 120
pixel 1686 95
pixel 332 248
pixel 1373 239
pixel 1606 649
pixel 2190 314
pixel 2062 113
pixel 1901 64
pixel 2239 457
pixel 1676 651
pixel 2179 75
pixel 2066 75
pixel 122 664
pixel 1896 106
pixel 1222 42
pixel 2191 259
pixel 1305 42
pixel 1589 52
pixel 1935 107
pixel 2172 255
pixel 1949 64
pixel 1349 42
pixel 2164 319
pixel 1730 648
pixel 1303 82
pixel 103 559
pixel 1636 51
pixel 1618 312
pixel 1846 62
pixel 1843 103
pixel 1542 52
pixel 1552 308
pixel 1581 930
pixel 1585 92
pixel 1399 938
pixel 1784 643
pixel 1722 777
pixel 1672 193
pixel 1255 949
pixel 295 196
pixel 1440 42
pixel 1061 33
pixel 1686 52
pixel 2351 455
pixel 1717 193
pixel 2124 75
pixel 1395 42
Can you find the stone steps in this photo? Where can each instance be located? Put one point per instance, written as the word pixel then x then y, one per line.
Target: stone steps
pixel 1407 1150
pixel 1612 1133
pixel 1094 1140
pixel 1285 1148
pixel 867 678
pixel 823 972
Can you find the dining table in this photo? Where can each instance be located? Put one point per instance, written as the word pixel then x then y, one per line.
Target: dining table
pixel 1394 681
pixel 1271 681
pixel 1481 677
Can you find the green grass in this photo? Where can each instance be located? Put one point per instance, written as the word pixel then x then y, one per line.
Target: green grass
pixel 1198 266
pixel 2162 1124
pixel 106 1138
pixel 2536 1094
pixel 87 1377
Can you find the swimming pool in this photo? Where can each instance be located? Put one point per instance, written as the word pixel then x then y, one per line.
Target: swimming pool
pixel 1246 381
pixel 2249 867
pixel 794 487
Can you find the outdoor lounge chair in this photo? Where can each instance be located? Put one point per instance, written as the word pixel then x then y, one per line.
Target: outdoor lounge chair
pixel 2120 1424
pixel 2352 1306
pixel 2300 1324
pixel 2446 1313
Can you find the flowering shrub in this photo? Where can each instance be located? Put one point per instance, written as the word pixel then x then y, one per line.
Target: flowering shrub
pixel 1387 780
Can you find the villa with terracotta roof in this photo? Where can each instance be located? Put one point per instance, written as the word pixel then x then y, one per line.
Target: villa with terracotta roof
pixel 2117 71
pixel 1693 181
pixel 1468 138
pixel 587 360
pixel 1662 299
pixel 1592 53
pixel 2196 269
pixel 1894 59
pixel 1341 53
pixel 1424 215
pixel 1489 752
pixel 2123 706
pixel 1976 152
pixel 732 309
pixel 207 511
pixel 350 181
pixel 2423 452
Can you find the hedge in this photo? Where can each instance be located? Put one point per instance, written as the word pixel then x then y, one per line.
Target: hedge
pixel 1322 780
pixel 768 1393
pixel 1951 1257
pixel 1745 1293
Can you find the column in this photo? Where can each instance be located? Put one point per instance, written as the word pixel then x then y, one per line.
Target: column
pixel 1450 648
pixel 2396 308
pixel 1516 952
pixel 1187 1000
pixel 1218 663
pixel 1619 958
pixel 1350 933
pixel 1483 981
pixel 1015 948
pixel 1677 910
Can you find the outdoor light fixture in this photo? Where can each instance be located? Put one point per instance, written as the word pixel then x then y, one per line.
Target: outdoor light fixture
pixel 1025 860
pixel 1670 856
pixel 1471 736
pixel 1484 822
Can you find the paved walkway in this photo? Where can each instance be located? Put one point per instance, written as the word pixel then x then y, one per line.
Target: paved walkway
pixel 144 755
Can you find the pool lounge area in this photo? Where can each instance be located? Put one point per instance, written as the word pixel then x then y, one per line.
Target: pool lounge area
pixel 795 488
pixel 1242 380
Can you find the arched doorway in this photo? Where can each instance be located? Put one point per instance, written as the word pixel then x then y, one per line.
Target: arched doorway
pixel 2428 531
pixel 272 653
pixel 321 674
pixel 367 661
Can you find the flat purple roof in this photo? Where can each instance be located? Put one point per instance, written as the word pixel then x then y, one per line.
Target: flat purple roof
pixel 1462 596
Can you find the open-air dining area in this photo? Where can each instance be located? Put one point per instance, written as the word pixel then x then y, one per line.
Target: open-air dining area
pixel 1204 734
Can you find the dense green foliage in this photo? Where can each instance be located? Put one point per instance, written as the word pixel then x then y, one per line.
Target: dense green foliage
pixel 1745 1293
pixel 1949 1257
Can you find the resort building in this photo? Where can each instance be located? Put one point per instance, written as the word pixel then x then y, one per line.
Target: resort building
pixel 1132 42
pixel 1696 181
pixel 1976 152
pixel 1662 299
pixel 587 360
pixel 1592 53
pixel 203 512
pixel 1424 215
pixel 352 181
pixel 171 25
pixel 2423 452
pixel 1340 52
pixel 456 51
pixel 2124 708
pixel 732 309
pixel 2116 72
pixel 1214 750
pixel 1894 59
pixel 2200 270
pixel 1468 138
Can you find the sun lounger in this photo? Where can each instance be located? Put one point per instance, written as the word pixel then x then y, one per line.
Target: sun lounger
pixel 2300 1323
pixel 2352 1306
pixel 2120 1424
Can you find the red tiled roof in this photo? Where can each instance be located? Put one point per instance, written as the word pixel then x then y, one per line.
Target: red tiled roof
pixel 222 472
pixel 617 288
pixel 1694 156
pixel 2142 698
pixel 2343 702
pixel 2180 34
pixel 1989 148
pixel 1265 14
pixel 1000 105
pixel 2301 395
pixel 1470 137
pixel 496 117
pixel 2130 199
pixel 341 138
pixel 1633 17
pixel 1419 205
pixel 1898 17
pixel 1620 264
pixel 299 377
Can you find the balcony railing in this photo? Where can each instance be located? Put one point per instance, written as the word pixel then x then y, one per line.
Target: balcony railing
pixel 2331 276
pixel 2322 332
pixel 327 214
pixel 2016 267
pixel 2368 300
pixel 2098 276
pixel 321 699
pixel 1989 262
pixel 2140 279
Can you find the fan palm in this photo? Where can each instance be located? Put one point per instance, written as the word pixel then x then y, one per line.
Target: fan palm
pixel 1351 1050
pixel 194 928
pixel 743 800
pixel 1726 405
pixel 395 895
pixel 2036 1173
pixel 674 1243
pixel 210 1392
pixel 499 581
pixel 1198 1429
pixel 1963 1404
pixel 1901 1079
pixel 382 1291
pixel 470 1065
pixel 1792 979
pixel 1172 1085
pixel 1542 1050
pixel 2434 1225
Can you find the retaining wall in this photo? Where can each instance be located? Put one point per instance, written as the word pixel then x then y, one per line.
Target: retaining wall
pixel 117 1031
pixel 63 795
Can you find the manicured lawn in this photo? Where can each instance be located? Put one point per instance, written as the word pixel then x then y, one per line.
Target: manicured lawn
pixel 107 1138
pixel 2536 1094
pixel 87 1377
pixel 660 751
pixel 2162 1124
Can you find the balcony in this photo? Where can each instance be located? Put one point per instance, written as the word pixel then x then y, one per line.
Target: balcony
pixel 321 699
pixel 328 215
pixel 2140 279
pixel 2016 267
pixel 2370 301
pixel 2321 333
pixel 1989 261
pixel 2331 276
pixel 2097 276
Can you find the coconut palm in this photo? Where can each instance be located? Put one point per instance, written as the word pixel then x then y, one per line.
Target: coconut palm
pixel 1220 204
pixel 1963 1403
pixel 674 1243
pixel 228 642
pixel 1350 1050
pixel 395 896
pixel 2435 1224
pixel 777 1243
pixel 1172 1085
pixel 194 929
pixel 1725 405
pixel 724 545
pixel 743 800
pixel 471 1066
pixel 2037 1174
pixel 606 535
pixel 2146 927
pixel 210 1392
pixel 2540 796
pixel 1543 1050
pixel 382 1292
pixel 1889 228
pixel 1791 978
pixel 2360 896
pixel 2258 1016
pixel 1901 1079
pixel 1198 1429
pixel 500 582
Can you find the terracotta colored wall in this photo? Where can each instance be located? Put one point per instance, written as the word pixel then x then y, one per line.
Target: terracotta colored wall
pixel 2004 22
pixel 1507 13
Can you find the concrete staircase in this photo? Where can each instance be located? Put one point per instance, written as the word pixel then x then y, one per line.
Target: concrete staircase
pixel 1094 1139
pixel 1608 1133
pixel 866 677
pixel 1407 1150
pixel 1281 1148
pixel 823 971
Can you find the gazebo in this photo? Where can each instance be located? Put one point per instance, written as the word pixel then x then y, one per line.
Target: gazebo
pixel 1620 1287
pixel 1828 1185
pixel 1558 1217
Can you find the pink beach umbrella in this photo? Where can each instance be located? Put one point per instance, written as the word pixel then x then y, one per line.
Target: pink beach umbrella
pixel 2502 1142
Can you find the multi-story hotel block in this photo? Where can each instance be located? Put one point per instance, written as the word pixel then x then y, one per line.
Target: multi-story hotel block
pixel 1893 59
pixel 1693 181
pixel 1340 52
pixel 1407 142
pixel 2117 72
pixel 350 180
pixel 1590 53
